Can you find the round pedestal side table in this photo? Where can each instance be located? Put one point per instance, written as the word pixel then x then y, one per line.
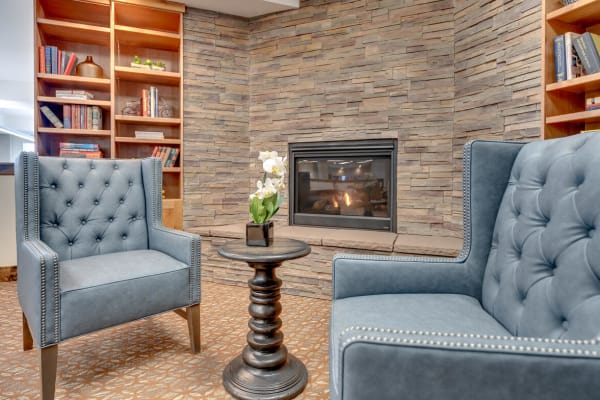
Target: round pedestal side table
pixel 265 370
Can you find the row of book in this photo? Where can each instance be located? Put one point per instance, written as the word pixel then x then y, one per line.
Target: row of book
pixel 150 102
pixel 79 150
pixel 52 60
pixel 82 117
pixel 75 117
pixel 167 154
pixel 576 55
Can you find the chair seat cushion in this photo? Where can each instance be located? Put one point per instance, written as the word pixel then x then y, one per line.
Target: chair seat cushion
pixel 106 290
pixel 450 313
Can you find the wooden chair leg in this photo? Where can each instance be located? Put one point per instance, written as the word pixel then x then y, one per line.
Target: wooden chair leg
pixel 49 359
pixel 27 339
pixel 193 320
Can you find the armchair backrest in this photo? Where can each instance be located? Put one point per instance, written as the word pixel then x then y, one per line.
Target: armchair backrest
pixel 87 206
pixel 542 274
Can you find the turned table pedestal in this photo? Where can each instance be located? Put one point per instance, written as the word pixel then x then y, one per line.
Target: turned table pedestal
pixel 265 370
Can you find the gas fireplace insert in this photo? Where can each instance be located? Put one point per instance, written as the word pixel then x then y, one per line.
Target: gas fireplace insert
pixel 345 184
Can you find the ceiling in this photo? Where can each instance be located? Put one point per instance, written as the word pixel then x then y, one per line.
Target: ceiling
pixel 243 8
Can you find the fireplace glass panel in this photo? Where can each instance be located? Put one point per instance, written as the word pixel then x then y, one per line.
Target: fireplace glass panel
pixel 344 186
pixel 347 184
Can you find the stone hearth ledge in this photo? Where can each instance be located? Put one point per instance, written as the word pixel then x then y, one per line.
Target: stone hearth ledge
pixel 351 239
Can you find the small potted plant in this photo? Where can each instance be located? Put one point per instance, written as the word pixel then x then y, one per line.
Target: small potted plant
pixel 158 65
pixel 265 201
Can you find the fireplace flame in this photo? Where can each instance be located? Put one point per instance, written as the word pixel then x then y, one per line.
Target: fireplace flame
pixel 347 199
pixel 335 204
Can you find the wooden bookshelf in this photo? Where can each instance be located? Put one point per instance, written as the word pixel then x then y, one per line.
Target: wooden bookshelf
pixel 563 103
pixel 113 32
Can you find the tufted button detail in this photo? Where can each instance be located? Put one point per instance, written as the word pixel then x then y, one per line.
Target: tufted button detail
pixel 121 201
pixel 65 166
pixel 80 185
pixel 110 219
pixel 106 184
pixel 70 243
pixel 124 237
pixel 98 238
pixel 92 166
pixel 565 324
pixel 69 204
pixel 83 221
pixel 53 186
pixel 591 232
pixel 130 183
pixel 96 202
pixel 55 225
pixel 116 166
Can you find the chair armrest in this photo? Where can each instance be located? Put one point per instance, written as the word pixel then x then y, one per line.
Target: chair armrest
pixel 432 365
pixel 362 275
pixel 183 246
pixel 39 290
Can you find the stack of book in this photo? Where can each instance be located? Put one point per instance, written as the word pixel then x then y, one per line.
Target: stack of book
pixel 73 94
pixel 82 117
pixel 576 54
pixel 167 154
pixel 149 135
pixel 52 60
pixel 79 150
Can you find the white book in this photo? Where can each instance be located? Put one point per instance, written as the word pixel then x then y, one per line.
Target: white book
pixel 574 68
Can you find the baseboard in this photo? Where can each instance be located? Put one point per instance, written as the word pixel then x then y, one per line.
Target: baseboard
pixel 8 274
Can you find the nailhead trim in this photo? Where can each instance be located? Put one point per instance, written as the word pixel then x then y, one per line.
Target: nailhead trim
pixel 516 347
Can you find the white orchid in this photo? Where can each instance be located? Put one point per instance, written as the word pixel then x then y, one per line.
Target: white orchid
pixel 265 201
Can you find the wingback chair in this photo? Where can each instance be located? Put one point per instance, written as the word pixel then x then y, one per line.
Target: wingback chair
pixel 515 316
pixel 93 253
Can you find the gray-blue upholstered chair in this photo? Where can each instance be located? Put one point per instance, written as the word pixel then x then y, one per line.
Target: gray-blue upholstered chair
pixel 516 316
pixel 93 253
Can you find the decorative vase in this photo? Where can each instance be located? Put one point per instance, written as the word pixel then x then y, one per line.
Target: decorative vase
pixel 259 234
pixel 89 69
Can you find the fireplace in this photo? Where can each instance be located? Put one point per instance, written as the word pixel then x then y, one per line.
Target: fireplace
pixel 345 184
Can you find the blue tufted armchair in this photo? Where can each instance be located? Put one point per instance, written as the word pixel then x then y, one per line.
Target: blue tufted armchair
pixel 92 252
pixel 516 316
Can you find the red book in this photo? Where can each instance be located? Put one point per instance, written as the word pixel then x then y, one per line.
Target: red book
pixel 70 64
pixel 42 59
pixel 154 151
pixel 145 111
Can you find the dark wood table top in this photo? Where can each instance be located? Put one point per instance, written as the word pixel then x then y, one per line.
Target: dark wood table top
pixel 281 250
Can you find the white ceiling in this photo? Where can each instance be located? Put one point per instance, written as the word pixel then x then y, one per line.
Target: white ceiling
pixel 243 8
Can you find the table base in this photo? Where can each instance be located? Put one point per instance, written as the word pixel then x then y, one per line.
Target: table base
pixel 245 382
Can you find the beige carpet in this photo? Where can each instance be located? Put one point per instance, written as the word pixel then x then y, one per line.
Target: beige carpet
pixel 150 359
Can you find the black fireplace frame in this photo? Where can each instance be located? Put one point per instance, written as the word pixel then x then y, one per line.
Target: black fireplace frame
pixel 350 148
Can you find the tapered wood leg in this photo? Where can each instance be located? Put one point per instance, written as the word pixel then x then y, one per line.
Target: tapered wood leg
pixel 27 339
pixel 49 359
pixel 193 320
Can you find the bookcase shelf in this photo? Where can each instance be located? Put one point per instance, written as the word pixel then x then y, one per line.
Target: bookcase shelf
pixel 135 119
pixel 77 82
pixel 85 33
pixel 147 141
pixel 104 104
pixel 147 75
pixel 113 32
pixel 74 132
pixel 564 102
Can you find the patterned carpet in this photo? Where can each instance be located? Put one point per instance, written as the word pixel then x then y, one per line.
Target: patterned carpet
pixel 150 358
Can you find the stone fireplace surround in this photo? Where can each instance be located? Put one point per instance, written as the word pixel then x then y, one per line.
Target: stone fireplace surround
pixel 431 74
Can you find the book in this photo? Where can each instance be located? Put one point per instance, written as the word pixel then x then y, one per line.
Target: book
pixel 574 69
pixel 47 59
pixel 67 115
pixel 41 59
pixel 71 62
pixel 79 154
pixel 79 146
pixel 587 49
pixel 149 135
pixel 173 160
pixel 73 94
pixel 54 59
pixel 49 114
pixel 559 58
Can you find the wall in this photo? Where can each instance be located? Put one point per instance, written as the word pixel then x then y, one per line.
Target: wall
pixel 432 74
pixel 8 253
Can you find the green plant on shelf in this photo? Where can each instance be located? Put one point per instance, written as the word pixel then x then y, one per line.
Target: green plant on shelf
pixel 147 64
